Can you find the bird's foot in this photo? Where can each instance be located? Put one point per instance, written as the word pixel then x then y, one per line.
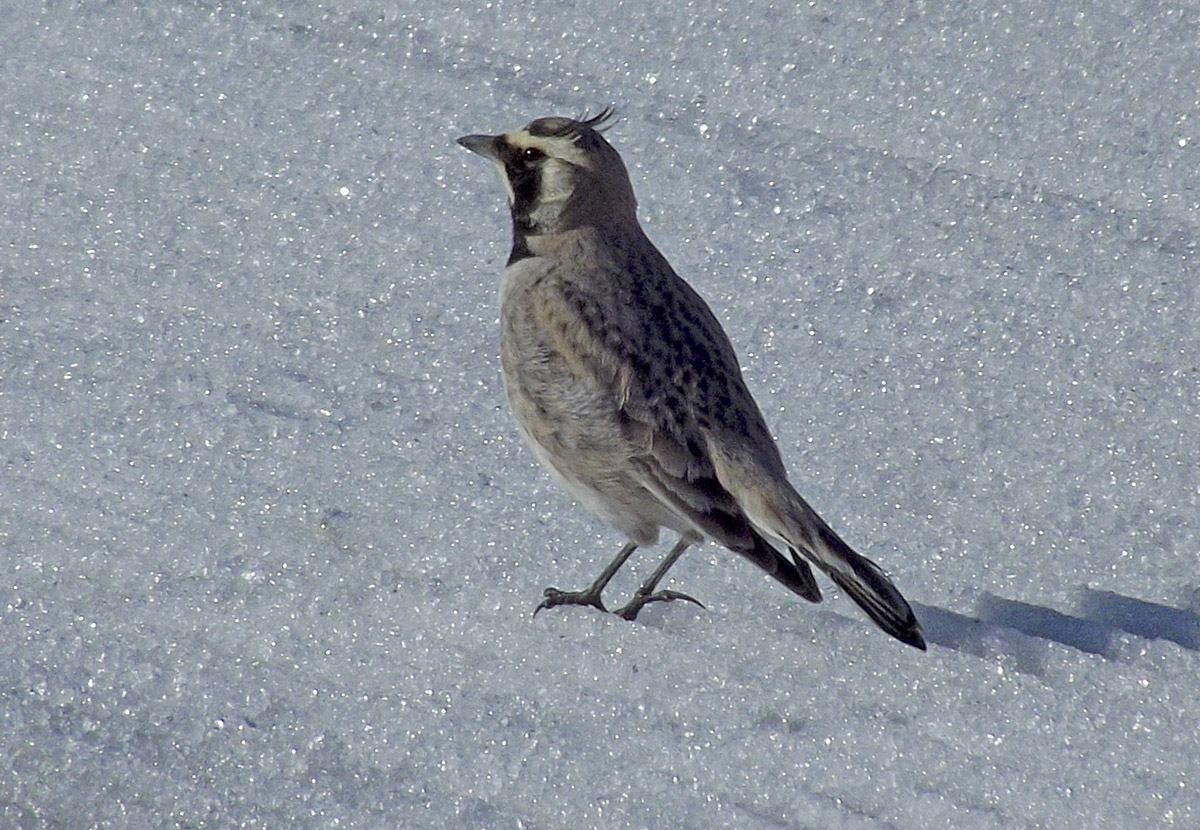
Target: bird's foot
pixel 630 610
pixel 554 597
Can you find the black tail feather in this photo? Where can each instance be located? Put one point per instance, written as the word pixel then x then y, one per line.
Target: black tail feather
pixel 869 587
pixel 795 574
pixel 892 614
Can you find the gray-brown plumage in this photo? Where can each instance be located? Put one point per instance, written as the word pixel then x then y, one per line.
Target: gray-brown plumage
pixel 627 389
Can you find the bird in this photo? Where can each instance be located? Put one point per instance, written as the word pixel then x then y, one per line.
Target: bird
pixel 627 389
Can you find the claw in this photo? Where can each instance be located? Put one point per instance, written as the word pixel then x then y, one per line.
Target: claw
pixel 639 601
pixel 554 597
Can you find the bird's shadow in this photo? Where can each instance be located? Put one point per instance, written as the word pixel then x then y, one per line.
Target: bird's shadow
pixel 1021 630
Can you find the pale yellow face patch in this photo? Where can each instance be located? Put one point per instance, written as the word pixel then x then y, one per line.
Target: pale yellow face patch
pixel 512 197
pixel 558 177
pixel 556 147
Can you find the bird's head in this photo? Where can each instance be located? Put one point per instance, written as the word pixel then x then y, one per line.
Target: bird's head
pixel 560 174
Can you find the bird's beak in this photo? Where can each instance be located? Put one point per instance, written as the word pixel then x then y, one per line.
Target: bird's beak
pixel 484 145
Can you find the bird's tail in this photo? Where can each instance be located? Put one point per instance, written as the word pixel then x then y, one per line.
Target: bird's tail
pixel 861 579
pixel 793 573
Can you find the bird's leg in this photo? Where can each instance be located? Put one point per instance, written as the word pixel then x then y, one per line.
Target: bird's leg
pixel 591 594
pixel 646 593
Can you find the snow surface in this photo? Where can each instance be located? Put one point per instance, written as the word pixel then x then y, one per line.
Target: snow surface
pixel 270 543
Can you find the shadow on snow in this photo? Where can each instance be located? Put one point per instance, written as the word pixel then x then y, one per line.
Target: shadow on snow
pixel 1020 629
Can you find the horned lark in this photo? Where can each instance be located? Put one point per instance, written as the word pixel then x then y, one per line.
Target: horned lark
pixel 627 389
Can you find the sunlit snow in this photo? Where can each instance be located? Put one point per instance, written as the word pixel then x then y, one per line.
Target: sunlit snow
pixel 270 544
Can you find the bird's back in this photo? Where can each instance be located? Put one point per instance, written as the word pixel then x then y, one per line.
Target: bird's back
pixel 622 368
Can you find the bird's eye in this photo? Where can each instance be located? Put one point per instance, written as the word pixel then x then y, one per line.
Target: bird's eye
pixel 531 154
